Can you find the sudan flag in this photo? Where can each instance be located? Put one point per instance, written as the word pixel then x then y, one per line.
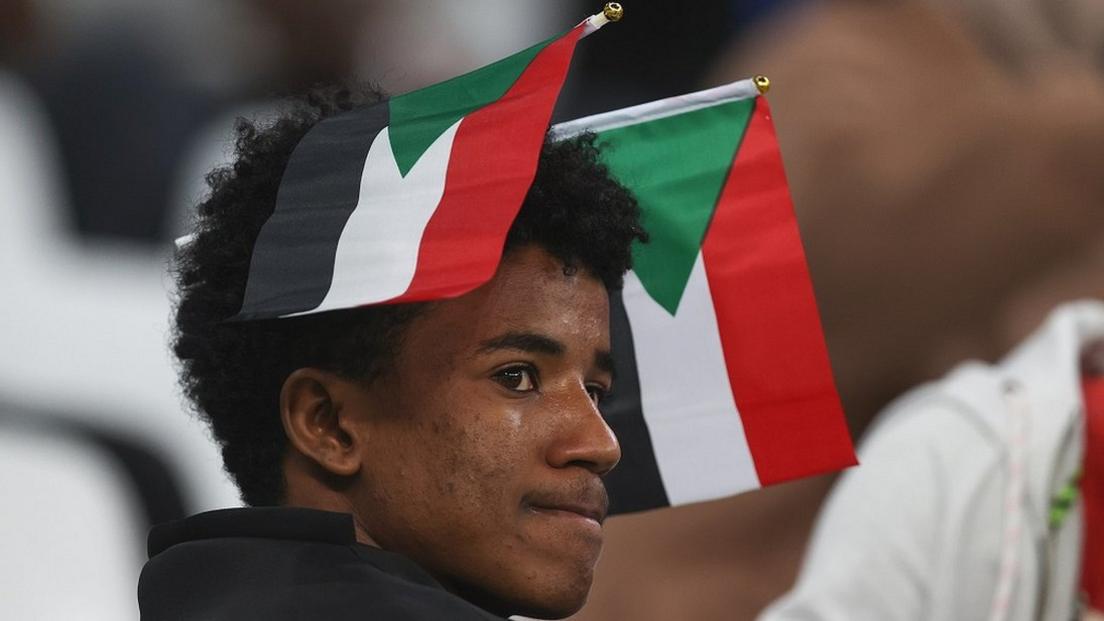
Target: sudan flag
pixel 410 199
pixel 723 381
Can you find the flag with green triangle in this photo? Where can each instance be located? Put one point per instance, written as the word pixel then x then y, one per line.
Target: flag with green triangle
pixel 409 199
pixel 723 382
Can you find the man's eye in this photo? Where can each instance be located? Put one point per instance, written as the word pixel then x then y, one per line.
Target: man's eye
pixel 519 379
pixel 597 393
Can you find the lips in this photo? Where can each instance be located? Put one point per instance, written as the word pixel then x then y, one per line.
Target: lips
pixel 572 511
pixel 591 502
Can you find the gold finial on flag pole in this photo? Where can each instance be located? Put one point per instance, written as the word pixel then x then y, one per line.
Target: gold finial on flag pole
pixel 612 12
pixel 762 83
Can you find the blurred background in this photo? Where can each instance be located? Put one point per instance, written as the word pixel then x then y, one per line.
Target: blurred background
pixel 946 161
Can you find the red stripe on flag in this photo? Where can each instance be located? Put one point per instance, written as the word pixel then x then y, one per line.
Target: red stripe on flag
pixel 492 164
pixel 1092 490
pixel 767 317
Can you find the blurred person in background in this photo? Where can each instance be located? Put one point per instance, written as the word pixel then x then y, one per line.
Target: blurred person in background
pixel 968 504
pixel 947 186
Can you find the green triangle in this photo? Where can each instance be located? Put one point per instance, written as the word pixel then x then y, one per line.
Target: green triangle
pixel 676 166
pixel 420 117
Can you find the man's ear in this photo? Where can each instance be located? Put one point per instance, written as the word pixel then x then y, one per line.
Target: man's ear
pixel 317 422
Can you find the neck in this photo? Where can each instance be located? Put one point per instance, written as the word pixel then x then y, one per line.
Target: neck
pixel 312 492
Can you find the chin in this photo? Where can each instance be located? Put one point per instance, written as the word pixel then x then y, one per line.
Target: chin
pixel 549 597
pixel 556 598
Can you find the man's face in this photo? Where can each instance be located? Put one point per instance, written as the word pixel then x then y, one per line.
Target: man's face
pixel 485 445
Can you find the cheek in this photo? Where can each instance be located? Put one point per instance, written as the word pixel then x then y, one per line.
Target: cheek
pixel 477 451
pixel 456 458
pixel 467 450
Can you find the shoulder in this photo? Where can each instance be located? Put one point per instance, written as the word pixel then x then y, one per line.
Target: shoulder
pixel 882 533
pixel 278 580
pixel 930 436
pixel 382 600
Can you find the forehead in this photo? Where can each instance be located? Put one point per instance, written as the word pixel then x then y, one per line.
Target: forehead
pixel 529 293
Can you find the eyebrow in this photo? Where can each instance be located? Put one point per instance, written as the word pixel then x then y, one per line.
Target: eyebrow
pixel 540 344
pixel 524 341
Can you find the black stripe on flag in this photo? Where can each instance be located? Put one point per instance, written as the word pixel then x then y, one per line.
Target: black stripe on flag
pixel 635 484
pixel 293 259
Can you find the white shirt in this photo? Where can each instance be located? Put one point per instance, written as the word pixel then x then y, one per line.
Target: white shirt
pixel 924 528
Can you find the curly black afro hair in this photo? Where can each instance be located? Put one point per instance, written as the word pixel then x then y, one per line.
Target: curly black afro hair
pixel 233 371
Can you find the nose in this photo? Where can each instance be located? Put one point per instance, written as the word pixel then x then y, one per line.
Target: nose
pixel 584 439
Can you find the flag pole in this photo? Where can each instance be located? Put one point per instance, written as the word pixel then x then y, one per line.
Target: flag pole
pixel 612 12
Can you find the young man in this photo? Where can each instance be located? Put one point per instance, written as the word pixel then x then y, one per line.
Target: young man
pixel 440 460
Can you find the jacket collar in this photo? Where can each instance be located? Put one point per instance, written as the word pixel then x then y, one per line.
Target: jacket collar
pixel 263 522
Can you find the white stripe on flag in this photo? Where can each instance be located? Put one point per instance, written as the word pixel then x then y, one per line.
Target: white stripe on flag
pixel 654 110
pixel 385 230
pixel 696 431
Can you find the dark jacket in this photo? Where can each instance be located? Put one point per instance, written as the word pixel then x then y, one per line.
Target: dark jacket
pixel 283 563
